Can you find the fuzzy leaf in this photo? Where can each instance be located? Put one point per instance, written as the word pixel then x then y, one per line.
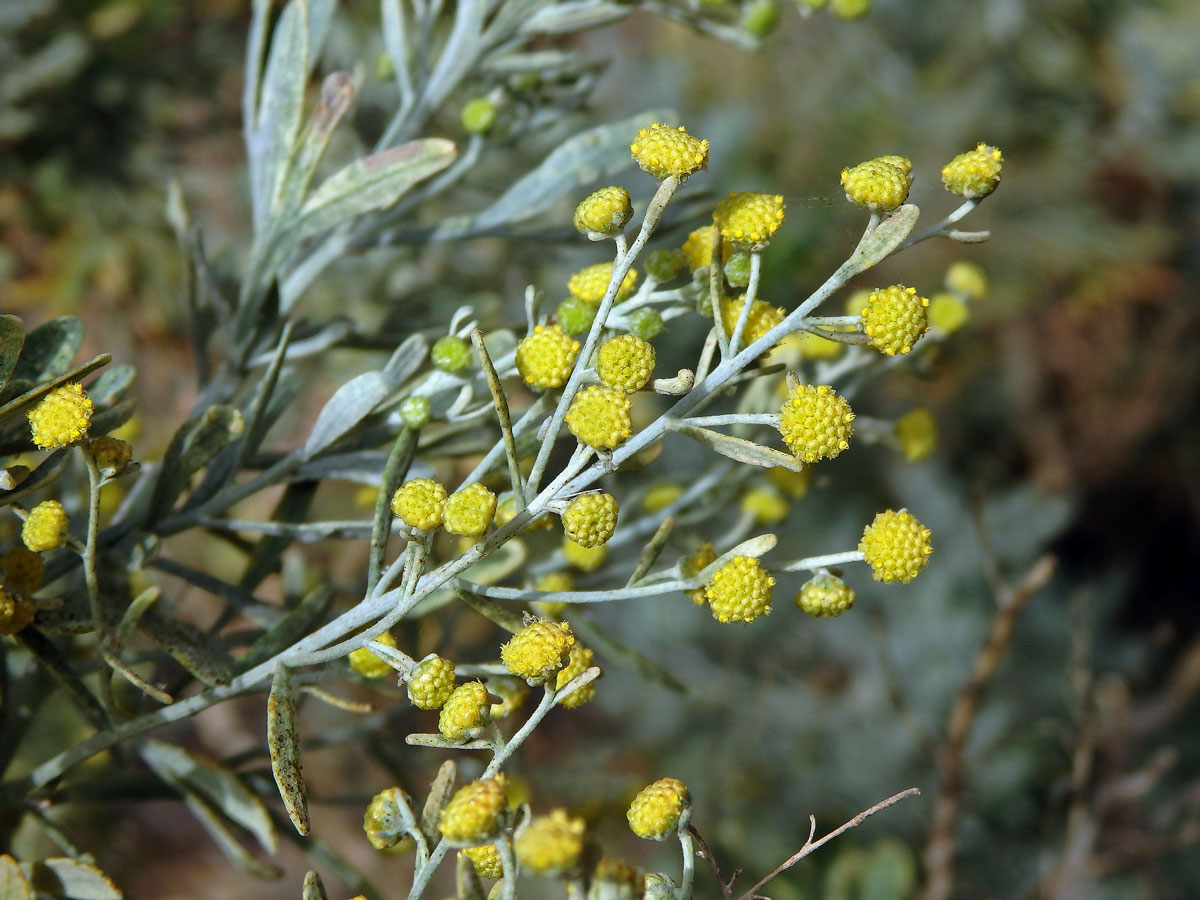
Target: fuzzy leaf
pixel 349 405
pixel 313 888
pixel 49 349
pixel 65 877
pixel 742 450
pixel 219 785
pixel 887 236
pixel 406 360
pixel 189 646
pixel 48 470
pixel 440 793
pixel 337 93
pixel 195 445
pixel 13 883
pixel 12 339
pixel 283 740
pixel 573 16
pixel 223 838
pixel 281 104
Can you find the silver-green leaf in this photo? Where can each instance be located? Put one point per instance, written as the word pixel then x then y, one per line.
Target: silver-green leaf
pixel 283 741
pixel 349 405
pixel 62 876
pixel 742 450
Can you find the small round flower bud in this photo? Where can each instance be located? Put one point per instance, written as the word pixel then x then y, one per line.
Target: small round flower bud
pixel 111 455
pixel 625 363
pixel 849 10
pixel 694 564
pixel 740 591
pixel 451 354
pixel 586 559
pixel 546 357
pixel 431 682
pixel 766 505
pixel 464 715
pixel 894 318
pixel 469 511
pixel 967 278
pixel 663 265
pixel 614 880
pixel 749 220
pixel 763 317
pixel 646 323
pixel 813 346
pixel 657 885
pixel 760 17
pixel 21 570
pixel 62 417
pixel 876 185
pixel 599 417
pixel 737 269
pixel 478 115
pixel 947 313
pixel 974 174
pixel 575 316
pixel 415 411
pixel 660 809
pixel 386 821
pixel 663 151
pixel 370 665
pixel 590 519
pixel 815 422
pixel 604 214
pixel 476 812
pixel 661 495
pixel 697 249
pixel 16 612
pixel 794 484
pixel 45 527
pixel 486 860
pixel 538 650
pixel 579 661
pixel 824 596
pixel 550 843
pixel 420 503
pixel 896 546
pixel 512 693
pixel 591 284
pixel 917 433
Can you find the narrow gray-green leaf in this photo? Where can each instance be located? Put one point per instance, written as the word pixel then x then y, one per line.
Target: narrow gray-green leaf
pixel 283 741
pixel 406 360
pixel 49 349
pixel 371 183
pixel 313 888
pixel 35 392
pixel 295 625
pixel 439 795
pixel 507 618
pixel 12 339
pixel 47 471
pixel 320 14
pixel 887 236
pixel 337 93
pixel 230 846
pixel 195 445
pixel 62 876
pixel 742 450
pixel 281 103
pixel 13 883
pixel 573 16
pixel 189 646
pixel 349 405
pixel 219 785
pixel 111 385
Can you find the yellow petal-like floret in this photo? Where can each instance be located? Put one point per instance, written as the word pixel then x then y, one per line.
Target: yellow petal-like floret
pixel 815 422
pixel 659 808
pixel 663 151
pixel 62 417
pixel 740 591
pixel 896 546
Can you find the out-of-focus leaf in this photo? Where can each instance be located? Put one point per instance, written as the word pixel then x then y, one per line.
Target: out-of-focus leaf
pixel 220 786
pixel 48 470
pixel 230 846
pixel 504 616
pixel 887 236
pixel 49 349
pixel 292 507
pixel 65 877
pixel 742 450
pixel 189 646
pixel 349 405
pixel 114 417
pixel 406 360
pixel 283 741
pixel 281 103
pixel 13 883
pixel 194 445
pixel 313 888
pixel 12 339
pixel 573 16
pixel 295 625
pixel 337 93
pixel 497 566
pixel 359 466
pixel 439 795
pixel 111 385
pixel 890 873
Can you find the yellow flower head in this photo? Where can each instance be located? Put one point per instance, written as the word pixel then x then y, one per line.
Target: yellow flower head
pixel 486 860
pixel 663 151
pixel 21 570
pixel 740 591
pixel 579 662
pixel 62 417
pixel 45 527
pixel 590 519
pixel 469 511
pixel 431 682
pixel 599 417
pixel 762 318
pixel 625 363
pixel 974 174
pixel 749 220
pixel 475 813
pixel 604 214
pixel 385 822
pixel 551 843
pixel 420 502
pixel 660 809
pixel 465 714
pixel 538 650
pixel 370 665
pixel 591 284
pixel 876 185
pixel 815 422
pixel 824 596
pixel 894 318
pixel 16 612
pixel 586 559
pixel 917 433
pixel 546 357
pixel 896 546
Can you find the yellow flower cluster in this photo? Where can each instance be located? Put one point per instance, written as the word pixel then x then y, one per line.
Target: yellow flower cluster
pixel 740 591
pixel 824 596
pixel 465 713
pixel 420 502
pixel 877 184
pixel 369 664
pixel 663 151
pixel 551 843
pixel 579 662
pixel 604 214
pixel 431 682
pixel 625 363
pixel 384 822
pixel 694 564
pixel 894 318
pixel 590 519
pixel 658 810
pixel 62 417
pixel 486 860
pixel 16 612
pixel 815 422
pixel 896 546
pixel 762 318
pixel 974 174
pixel 749 220
pixel 546 357
pixel 590 284
pixel 45 527
pixel 586 559
pixel 599 417
pixel 538 650
pixel 917 433
pixel 470 510
pixel 476 812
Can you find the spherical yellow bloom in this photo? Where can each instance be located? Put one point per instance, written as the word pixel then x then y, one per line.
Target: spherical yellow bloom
pixel 824 596
pixel 815 422
pixel 894 318
pixel 749 220
pixel 663 151
pixel 551 843
pixel 591 284
pixel 580 661
pixel 917 432
pixel 599 417
pixel 431 682
pixel 694 564
pixel 660 809
pixel 62 417
pixel 967 278
pixel 21 570
pixel 947 313
pixel 697 248
pixel 763 317
pixel 590 519
pixel 420 502
pixel 625 363
pixel 486 860
pixel 740 591
pixel 470 510
pixel 45 527
pixel 546 357
pixel 370 665
pixel 555 582
pixel 974 174
pixel 111 455
pixel 661 495
pixel 765 505
pixel 896 546
pixel 465 714
pixel 16 612
pixel 586 559
pixel 876 185
pixel 604 214
pixel 385 821
pixel 538 650
pixel 475 813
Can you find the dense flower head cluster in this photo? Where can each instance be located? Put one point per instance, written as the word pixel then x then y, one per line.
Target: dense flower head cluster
pixel 580 660
pixel 538 650
pixel 62 417
pixel 967 278
pixel 599 417
pixel 586 559
pixel 465 713
pixel 917 433
pixel 485 859
pixel 590 519
pixel 451 353
pixel 590 284
pixel 765 505
pixel 894 318
pixel 748 220
pixel 659 809
pixel 896 546
pixel 552 843
pixel 762 318
pixel 476 812
pixel 663 151
pixel 369 664
pixel 16 612
pixel 877 184
pixel 947 312
pixel 431 682
pixel 815 422
pixel 45 527
pixel 660 496
pixel 693 564
pixel 824 596
pixel 384 821
pixel 974 174
pixel 625 363
pixel 697 247
pixel 546 357
pixel 740 591
pixel 469 511
pixel 603 214
pixel 21 570
pixel 420 502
